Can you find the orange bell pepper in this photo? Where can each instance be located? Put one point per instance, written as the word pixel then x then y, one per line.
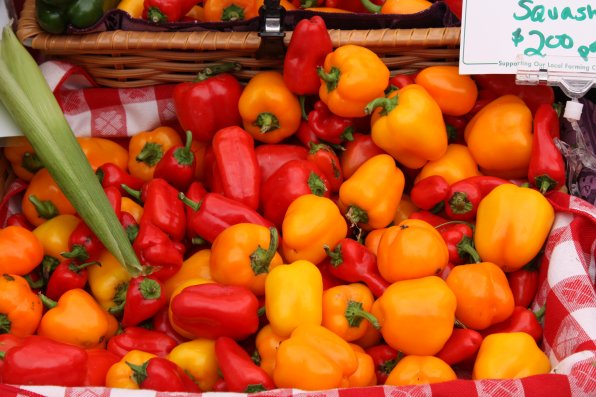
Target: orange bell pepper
pixel 403 7
pixel 411 249
pixel 351 77
pixel 420 370
pixel 416 316
pixel 132 207
pixel 146 148
pixel 244 254
pixel 512 224
pixel 455 93
pixel 370 197
pixel 54 234
pixel 196 13
pixel 314 358
pixel 307 240
pixel 100 151
pixel 20 308
pixel 404 209
pixel 133 7
pixel 266 343
pixel 373 238
pixel 293 297
pixel 499 137
pixel 365 373
pixel 483 294
pixel 22 157
pixel 455 165
pixel 44 200
pixel 270 111
pixel 409 126
pixel 76 319
pixel 20 250
pixel 229 10
pixel 195 266
pixel 346 310
pixel 120 375
pixel 197 358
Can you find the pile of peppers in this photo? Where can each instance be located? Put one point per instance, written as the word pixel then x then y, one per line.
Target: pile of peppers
pixel 323 227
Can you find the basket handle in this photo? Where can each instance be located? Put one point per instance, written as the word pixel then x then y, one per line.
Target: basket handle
pixel 271 18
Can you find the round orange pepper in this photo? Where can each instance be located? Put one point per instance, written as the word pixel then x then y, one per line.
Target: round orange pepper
pixel 146 148
pixel 20 250
pixel 420 370
pixel 22 157
pixel 455 93
pixel 373 238
pixel 456 164
pixel 43 199
pixel 365 373
pixel 412 249
pixel 405 208
pixel 20 308
pixel 100 151
pixel 120 375
pixel 267 342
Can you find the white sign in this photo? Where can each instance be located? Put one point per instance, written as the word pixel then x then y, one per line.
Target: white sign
pixel 501 37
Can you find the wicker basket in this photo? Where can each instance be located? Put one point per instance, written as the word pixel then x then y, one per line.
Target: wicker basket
pixel 134 59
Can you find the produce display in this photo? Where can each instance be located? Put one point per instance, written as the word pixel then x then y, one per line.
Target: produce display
pixel 326 226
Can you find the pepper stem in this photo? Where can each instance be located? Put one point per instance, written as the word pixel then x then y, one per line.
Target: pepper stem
pixel 302 101
pixel 371 7
pixel 150 289
pixel 316 184
pixel 460 204
pixel 155 15
pixel 217 69
pixel 331 79
pixel 267 122
pixel 260 259
pixel 77 268
pixel 47 302
pixel 232 13
pixel 78 252
pixel 4 324
pixel 356 215
pixel 139 372
pixel 192 204
pixel 2 355
pixel 466 247
pixel 387 104
pixel 335 255
pixel 184 155
pixel 150 154
pixel 31 162
pixel 355 314
pixel 540 313
pixel 45 208
pixel 254 388
pixel 136 194
pixel 544 183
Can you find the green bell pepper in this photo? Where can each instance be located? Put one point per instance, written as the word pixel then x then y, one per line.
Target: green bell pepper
pixel 54 16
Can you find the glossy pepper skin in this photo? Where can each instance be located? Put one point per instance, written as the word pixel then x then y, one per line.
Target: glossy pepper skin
pixel 293 297
pixel 108 282
pixel 271 157
pixel 509 355
pixel 460 244
pixel 416 370
pixel 144 297
pixel 43 199
pixel 464 196
pixel 462 345
pixel 197 357
pixel 456 164
pixel 120 375
pixel 512 224
pixel 422 331
pixel 209 103
pixel 455 93
pixel 521 320
pixel 226 10
pixel 524 284
pixel 23 159
pixel 356 152
pixel 270 111
pixel 161 11
pixel 306 241
pixel 177 166
pixel 385 358
pixel 55 16
pixel 212 310
pixel 24 259
pixel 99 362
pixel 68 275
pixel 83 244
pixel 314 358
pixel 342 88
pixel 146 148
pixel 101 150
pixel 163 375
pixel 110 174
pixel 547 166
pixel 325 158
pixel 20 308
pixel 409 126
pixel 150 341
pixel 55 363
pixel 266 344
pixel 329 127
pixel 429 191
pixel 194 266
pixel 158 253
pixel 303 56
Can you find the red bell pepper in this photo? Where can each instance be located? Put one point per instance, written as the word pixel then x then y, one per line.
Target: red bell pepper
pixel 161 322
pixel 163 375
pixel 328 126
pixel 459 239
pixel 464 196
pixel 521 320
pixel 385 359
pixel 329 280
pixel 177 166
pixel 353 262
pixel 7 342
pixel 357 152
pixel 162 11
pixel 272 156
pixel 455 6
pixel 427 216
pixel 309 45
pixel 326 160
pixel 240 373
pixel 305 134
pixel 237 165
pixel 99 362
pixel 212 310
pixel 130 226
pixel 524 284
pixel 42 361
pixel 83 244
pixel 213 213
pixel 401 80
pixel 209 103
pixel 429 191
pixel 293 179
pixel 157 251
pixel 147 340
pixel 19 219
pixel 68 275
pixel 348 5
pixel 114 196
pixel 144 297
pixel 109 174
pixel 547 165
pixel 462 345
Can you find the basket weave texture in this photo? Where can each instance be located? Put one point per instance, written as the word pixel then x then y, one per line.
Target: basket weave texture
pixel 124 59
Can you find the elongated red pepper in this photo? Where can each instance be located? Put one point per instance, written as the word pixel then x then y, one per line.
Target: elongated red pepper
pixel 114 196
pixel 352 262
pixel 177 166
pixel 462 345
pixel 68 275
pixel 460 244
pixel 147 340
pixel 464 196
pixel 357 152
pixel 161 11
pixel 39 360
pixel 99 361
pixel 308 47
pixel 326 160
pixel 163 375
pixel 272 156
pixel 329 280
pixel 429 191
pixel 161 322
pixel 212 310
pixel 385 359
pixel 19 219
pixel 157 251
pixel 240 373
pixel 109 174
pixel 547 166
pixel 293 179
pixel 521 320
pixel 237 165
pixel 328 126
pixel 524 284
pixel 209 103
pixel 7 342
pixel 305 134
pixel 144 297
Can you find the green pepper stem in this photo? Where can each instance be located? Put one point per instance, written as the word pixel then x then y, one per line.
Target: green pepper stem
pixel 331 79
pixel 355 314
pixel 540 313
pixel 150 154
pixel 78 252
pixel 316 184
pixel 387 105
pixel 192 204
pixel 156 16
pixel 136 194
pixel 139 372
pixel 45 208
pixel 47 302
pixel 260 259
pixel 335 255
pixel 184 155
pixel 466 246
pixel 267 122
pixel 356 215
pixel 4 324
pixel 217 69
pixel 150 289
pixel 371 7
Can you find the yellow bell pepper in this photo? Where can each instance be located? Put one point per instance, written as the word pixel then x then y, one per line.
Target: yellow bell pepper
pixel 409 126
pixel 293 297
pixel 307 240
pixel 267 342
pixel 108 282
pixel 132 207
pixel 133 7
pixel 270 111
pixel 456 164
pixel 244 254
pixel 351 77
pixel 314 358
pixel 499 137
pixel 195 266
pixel 420 370
pixel 100 151
pixel 416 316
pixel 120 375
pixel 365 373
pixel 370 197
pixel 146 148
pixel 55 233
pixel 509 355
pixel 197 358
pixel 512 224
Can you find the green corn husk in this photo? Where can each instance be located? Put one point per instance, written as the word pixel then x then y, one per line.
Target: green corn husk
pixel 30 102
